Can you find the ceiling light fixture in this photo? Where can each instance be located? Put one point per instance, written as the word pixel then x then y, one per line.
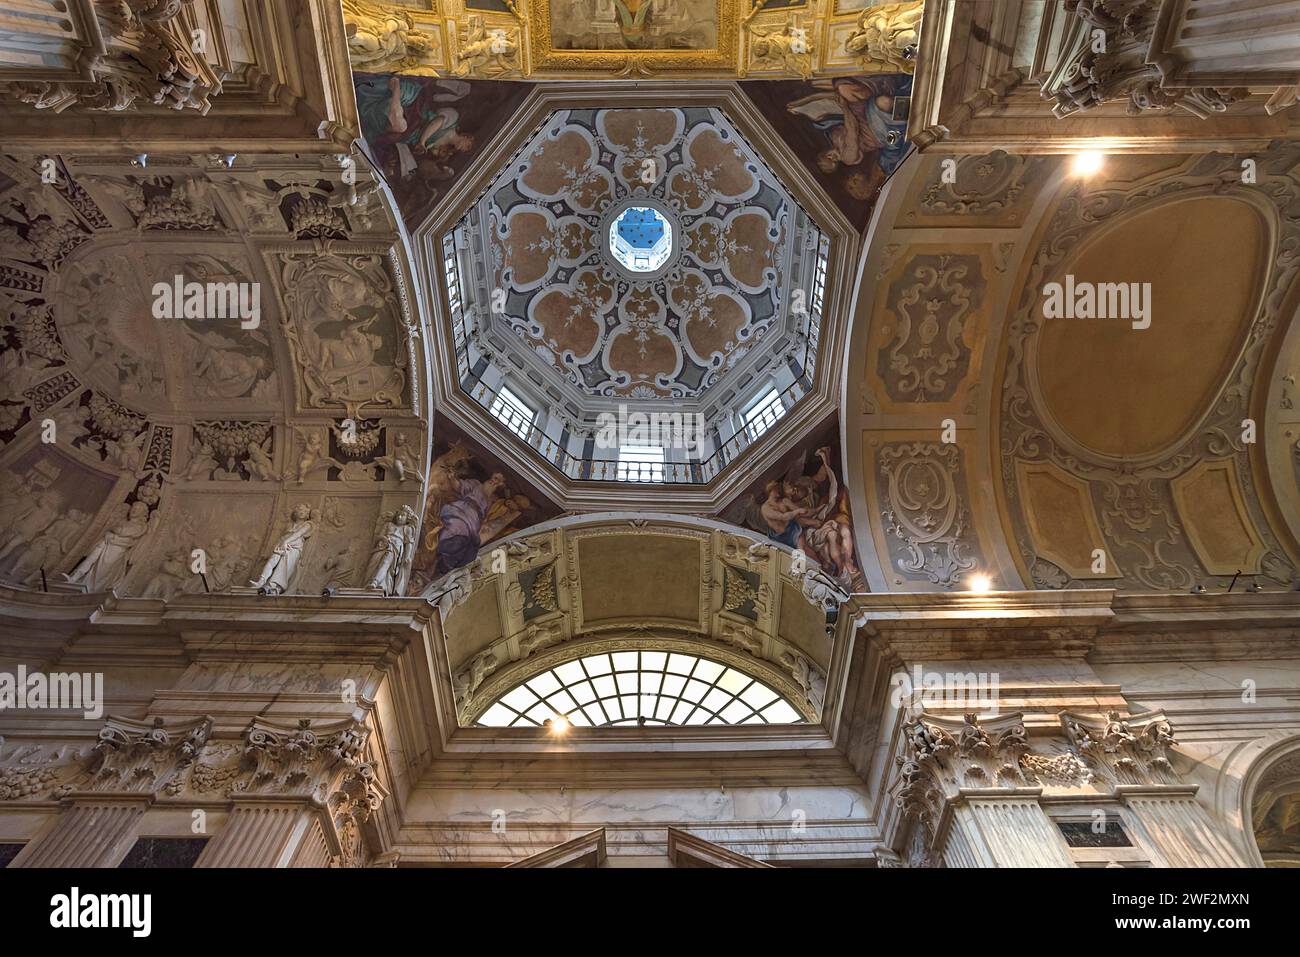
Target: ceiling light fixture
pixel 1088 163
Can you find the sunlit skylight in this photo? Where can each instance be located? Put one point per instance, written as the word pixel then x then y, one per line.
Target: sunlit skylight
pixel 635 688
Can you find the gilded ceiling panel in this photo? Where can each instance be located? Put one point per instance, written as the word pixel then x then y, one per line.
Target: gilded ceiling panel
pixel 621 38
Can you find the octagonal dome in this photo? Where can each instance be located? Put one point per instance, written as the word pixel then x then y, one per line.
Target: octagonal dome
pixel 621 259
pixel 557 290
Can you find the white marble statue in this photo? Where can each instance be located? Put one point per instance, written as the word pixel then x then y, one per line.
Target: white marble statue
pixel 109 560
pixel 279 570
pixel 390 562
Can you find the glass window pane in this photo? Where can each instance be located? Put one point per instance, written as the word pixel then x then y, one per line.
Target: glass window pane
pixel 732 681
pixel 521 699
pixel 544 684
pixel 716 700
pixel 707 671
pixel 781 713
pixel 561 702
pixel 624 687
pixel 497 716
pixel 694 690
pixel 735 712
pixel 569 672
pixel 681 664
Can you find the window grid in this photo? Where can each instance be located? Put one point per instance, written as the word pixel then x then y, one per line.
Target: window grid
pixel 512 413
pixel 451 272
pixel 640 463
pixel 633 688
pixel 763 414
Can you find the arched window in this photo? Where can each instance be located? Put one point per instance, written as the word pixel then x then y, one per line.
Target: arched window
pixel 623 688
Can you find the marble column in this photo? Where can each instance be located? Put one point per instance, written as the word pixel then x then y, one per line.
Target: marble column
pixel 1171 820
pixel 91 831
pixel 130 763
pixel 303 802
pixel 1002 828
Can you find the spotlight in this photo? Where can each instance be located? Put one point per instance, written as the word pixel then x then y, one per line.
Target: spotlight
pixel 1088 163
pixel 980 583
pixel 558 725
pixel 1254 588
pixel 140 159
pixel 1200 590
pixel 328 591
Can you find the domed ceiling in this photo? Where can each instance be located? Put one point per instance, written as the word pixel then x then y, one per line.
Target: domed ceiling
pixel 573 313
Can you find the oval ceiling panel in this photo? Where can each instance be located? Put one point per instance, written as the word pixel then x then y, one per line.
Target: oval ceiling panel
pixel 1130 393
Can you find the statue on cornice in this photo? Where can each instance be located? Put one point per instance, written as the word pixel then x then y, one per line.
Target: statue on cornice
pixel 279 570
pixel 110 559
pixel 390 561
pixel 887 36
pixel 486 51
pixel 383 39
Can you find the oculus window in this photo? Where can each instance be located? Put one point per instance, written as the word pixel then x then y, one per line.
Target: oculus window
pixel 634 688
pixel 641 239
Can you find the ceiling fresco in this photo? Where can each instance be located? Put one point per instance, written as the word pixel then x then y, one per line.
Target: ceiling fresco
pixel 424 132
pixel 851 132
pixel 803 503
pixel 607 333
pixel 473 499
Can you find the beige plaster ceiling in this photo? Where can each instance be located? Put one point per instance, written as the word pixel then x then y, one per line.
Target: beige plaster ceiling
pixel 1073 452
pixel 1125 396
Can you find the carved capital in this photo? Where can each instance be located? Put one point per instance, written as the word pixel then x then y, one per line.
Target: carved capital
pixel 142 756
pixel 324 763
pixel 1106 58
pixel 942 756
pixel 1132 750
pixel 154 54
